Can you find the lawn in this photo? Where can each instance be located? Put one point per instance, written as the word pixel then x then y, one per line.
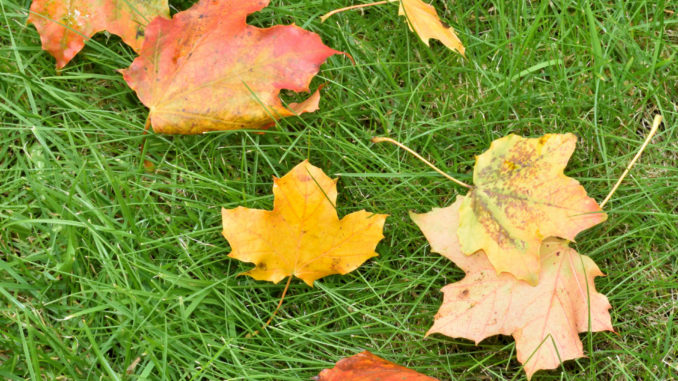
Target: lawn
pixel 112 271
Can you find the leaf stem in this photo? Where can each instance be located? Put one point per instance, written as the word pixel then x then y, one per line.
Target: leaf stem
pixel 142 147
pixel 147 125
pixel 655 126
pixel 381 139
pixel 282 297
pixel 334 12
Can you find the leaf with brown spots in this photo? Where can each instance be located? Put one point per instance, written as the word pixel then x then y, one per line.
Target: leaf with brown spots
pixel 520 197
pixel 302 236
pixel 545 320
pixel 207 70
pixel 366 366
pixel 65 25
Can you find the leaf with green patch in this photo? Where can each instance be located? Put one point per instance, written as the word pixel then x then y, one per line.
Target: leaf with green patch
pixel 520 197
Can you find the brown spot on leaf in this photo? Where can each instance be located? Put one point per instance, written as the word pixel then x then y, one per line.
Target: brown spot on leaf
pixel 336 265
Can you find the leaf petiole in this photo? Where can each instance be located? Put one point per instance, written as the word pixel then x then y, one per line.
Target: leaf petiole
pixel 334 12
pixel 142 147
pixel 381 139
pixel 655 126
pixel 282 297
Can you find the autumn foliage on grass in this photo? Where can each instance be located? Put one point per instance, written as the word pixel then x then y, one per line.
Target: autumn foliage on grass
pixel 511 234
pixel 206 69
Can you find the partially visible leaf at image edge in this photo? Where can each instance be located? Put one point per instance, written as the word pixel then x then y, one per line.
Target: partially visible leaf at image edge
pixel 65 25
pixel 424 20
pixel 207 70
pixel 366 366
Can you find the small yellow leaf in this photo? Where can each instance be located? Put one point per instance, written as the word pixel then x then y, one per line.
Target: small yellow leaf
pixel 302 236
pixel 423 19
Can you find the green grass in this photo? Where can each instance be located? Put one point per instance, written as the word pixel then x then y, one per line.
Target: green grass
pixel 102 263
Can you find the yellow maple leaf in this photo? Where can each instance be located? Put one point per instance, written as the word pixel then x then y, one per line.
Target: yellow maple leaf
pixel 302 236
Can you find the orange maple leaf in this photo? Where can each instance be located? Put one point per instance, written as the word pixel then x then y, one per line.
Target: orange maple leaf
pixel 65 25
pixel 520 197
pixel 366 366
pixel 302 236
pixel 545 320
pixel 207 70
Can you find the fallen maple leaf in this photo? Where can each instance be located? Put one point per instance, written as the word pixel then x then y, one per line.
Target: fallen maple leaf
pixel 422 18
pixel 207 70
pixel 545 320
pixel 366 366
pixel 64 25
pixel 302 236
pixel 520 197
